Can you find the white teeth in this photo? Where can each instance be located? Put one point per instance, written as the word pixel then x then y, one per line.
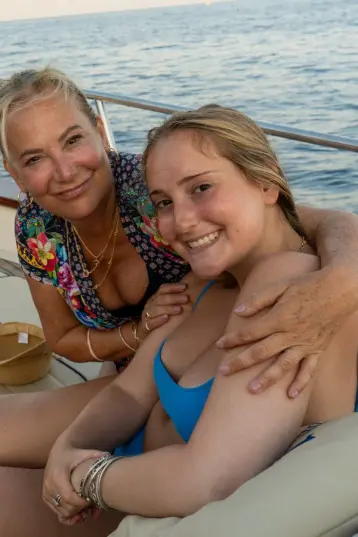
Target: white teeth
pixel 204 240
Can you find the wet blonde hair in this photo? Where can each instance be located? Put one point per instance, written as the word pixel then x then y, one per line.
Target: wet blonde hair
pixel 237 138
pixel 29 86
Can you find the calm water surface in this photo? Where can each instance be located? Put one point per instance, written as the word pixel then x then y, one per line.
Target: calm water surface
pixel 293 63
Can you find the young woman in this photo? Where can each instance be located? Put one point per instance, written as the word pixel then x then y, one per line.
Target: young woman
pixel 188 435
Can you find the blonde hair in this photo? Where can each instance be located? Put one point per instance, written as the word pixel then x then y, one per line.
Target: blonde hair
pixel 237 138
pixel 29 86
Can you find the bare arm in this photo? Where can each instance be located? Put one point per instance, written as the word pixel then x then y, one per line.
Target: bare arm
pixel 236 437
pixel 333 233
pixel 66 336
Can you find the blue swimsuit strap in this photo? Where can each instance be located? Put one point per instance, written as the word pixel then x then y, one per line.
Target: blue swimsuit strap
pixel 203 291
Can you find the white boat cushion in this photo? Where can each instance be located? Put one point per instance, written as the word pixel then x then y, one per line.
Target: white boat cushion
pixel 311 492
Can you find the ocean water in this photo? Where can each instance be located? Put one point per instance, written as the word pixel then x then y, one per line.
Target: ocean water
pixel 289 62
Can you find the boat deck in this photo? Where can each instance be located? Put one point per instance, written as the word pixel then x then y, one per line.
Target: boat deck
pixel 16 305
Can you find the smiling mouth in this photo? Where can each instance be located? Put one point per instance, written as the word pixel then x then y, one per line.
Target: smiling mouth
pixel 73 192
pixel 206 240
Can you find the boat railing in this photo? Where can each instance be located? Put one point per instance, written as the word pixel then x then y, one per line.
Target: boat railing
pixel 100 98
pixel 289 133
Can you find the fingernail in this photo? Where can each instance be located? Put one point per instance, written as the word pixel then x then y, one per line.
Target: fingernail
pixel 255 386
pixel 294 394
pixel 224 369
pixel 182 285
pixel 241 308
pixel 183 298
pixel 177 309
pixel 220 344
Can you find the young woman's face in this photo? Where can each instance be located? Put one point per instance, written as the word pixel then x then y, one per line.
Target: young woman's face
pixel 207 210
pixel 58 156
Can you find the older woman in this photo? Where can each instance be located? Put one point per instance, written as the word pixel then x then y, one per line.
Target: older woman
pixel 96 266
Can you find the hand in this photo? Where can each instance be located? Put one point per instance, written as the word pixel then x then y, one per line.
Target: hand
pixel 168 300
pixel 62 462
pixel 304 315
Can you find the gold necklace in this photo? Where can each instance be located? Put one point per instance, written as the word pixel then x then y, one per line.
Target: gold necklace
pixel 303 244
pixel 98 259
pixel 110 261
pixel 86 272
pixel 102 252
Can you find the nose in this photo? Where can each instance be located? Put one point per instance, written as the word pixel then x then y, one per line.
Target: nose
pixel 185 217
pixel 65 168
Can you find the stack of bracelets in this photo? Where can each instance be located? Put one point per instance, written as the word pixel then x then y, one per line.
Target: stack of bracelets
pixel 90 486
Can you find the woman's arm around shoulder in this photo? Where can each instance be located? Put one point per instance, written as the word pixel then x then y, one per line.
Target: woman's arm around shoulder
pixel 237 436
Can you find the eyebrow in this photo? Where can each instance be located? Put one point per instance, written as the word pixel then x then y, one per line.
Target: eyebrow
pixel 183 181
pixel 61 138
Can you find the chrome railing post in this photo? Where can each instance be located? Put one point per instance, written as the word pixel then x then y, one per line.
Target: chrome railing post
pixel 107 128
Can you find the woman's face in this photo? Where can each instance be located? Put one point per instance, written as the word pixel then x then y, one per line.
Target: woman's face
pixel 207 210
pixel 58 156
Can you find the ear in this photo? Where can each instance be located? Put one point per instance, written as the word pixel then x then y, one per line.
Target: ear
pixel 270 195
pixel 11 170
pixel 102 133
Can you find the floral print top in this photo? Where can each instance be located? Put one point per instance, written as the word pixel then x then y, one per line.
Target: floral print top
pixel 42 249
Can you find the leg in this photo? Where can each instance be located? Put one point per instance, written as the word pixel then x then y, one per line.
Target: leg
pixel 24 513
pixel 30 423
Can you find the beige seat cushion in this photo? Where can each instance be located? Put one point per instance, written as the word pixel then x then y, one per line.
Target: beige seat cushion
pixel 311 492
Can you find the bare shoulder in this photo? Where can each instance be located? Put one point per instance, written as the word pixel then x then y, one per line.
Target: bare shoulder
pixel 283 265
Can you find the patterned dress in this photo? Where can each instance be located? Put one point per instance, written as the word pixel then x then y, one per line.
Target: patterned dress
pixel 50 255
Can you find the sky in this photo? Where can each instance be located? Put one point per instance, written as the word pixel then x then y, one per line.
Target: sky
pixel 27 9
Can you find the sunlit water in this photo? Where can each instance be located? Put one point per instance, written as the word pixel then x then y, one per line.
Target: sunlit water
pixel 293 63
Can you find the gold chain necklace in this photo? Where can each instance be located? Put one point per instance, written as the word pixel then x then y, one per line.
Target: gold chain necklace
pixel 99 256
pixel 98 259
pixel 86 272
pixel 110 261
pixel 303 244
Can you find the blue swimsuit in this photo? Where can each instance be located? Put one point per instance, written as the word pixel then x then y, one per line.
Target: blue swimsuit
pixel 183 405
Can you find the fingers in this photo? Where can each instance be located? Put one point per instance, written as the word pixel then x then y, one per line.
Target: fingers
pixel 158 310
pixel 57 485
pixel 266 298
pixel 308 368
pixel 70 503
pixel 167 288
pixel 274 373
pixel 254 330
pixel 166 300
pixel 253 355
pixel 152 324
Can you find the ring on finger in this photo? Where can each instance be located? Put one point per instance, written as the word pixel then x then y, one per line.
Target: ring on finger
pixel 57 500
pixel 147 327
pixel 147 314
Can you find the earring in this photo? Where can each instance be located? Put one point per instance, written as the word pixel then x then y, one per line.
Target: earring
pixel 25 201
pixel 112 150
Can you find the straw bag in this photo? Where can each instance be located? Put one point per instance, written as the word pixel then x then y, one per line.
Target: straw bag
pixel 24 353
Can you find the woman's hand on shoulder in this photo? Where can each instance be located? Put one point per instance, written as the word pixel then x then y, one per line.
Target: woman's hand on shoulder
pixel 169 300
pixel 303 311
